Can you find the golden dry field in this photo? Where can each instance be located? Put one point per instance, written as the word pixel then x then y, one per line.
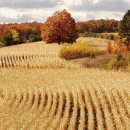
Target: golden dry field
pixel 40 91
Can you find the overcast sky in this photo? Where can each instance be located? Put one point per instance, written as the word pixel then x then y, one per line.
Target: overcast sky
pixel 12 11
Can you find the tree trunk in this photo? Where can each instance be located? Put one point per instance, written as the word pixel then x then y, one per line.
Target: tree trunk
pixel 59 40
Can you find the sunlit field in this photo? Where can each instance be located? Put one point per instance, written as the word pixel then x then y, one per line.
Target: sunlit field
pixel 40 91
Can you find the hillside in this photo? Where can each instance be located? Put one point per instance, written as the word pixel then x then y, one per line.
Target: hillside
pixel 40 91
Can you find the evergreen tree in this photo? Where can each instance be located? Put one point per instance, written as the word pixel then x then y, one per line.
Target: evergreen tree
pixel 125 27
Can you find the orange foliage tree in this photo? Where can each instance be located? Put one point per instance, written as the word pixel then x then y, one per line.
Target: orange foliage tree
pixel 60 27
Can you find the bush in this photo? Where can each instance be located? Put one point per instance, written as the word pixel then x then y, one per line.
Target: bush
pixel 118 62
pixel 109 48
pixel 120 47
pixel 117 47
pixel 78 50
pixel 34 38
pixel 7 39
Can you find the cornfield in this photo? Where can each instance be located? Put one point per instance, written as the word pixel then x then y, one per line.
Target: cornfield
pixel 35 97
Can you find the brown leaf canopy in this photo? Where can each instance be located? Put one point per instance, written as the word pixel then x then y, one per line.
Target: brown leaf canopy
pixel 60 27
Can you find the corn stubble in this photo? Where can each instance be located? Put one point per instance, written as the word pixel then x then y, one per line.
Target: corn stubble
pixel 38 97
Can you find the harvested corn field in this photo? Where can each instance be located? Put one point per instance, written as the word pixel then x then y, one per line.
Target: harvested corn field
pixel 67 98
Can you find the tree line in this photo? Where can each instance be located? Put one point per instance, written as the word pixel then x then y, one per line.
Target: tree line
pixel 11 34
pixel 60 28
pixel 98 26
pixel 30 32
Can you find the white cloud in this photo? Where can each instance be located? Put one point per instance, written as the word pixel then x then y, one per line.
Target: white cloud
pixel 81 10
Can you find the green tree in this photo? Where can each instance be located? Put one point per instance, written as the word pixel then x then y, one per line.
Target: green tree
pixel 125 27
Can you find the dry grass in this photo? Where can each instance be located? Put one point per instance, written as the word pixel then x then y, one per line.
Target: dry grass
pixel 62 99
pixel 79 50
pixel 33 55
pixel 95 42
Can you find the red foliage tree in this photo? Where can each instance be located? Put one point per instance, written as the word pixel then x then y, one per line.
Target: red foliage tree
pixel 60 27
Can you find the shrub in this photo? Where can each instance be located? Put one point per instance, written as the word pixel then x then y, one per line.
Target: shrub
pixel 117 47
pixel 120 47
pixel 78 50
pixel 7 39
pixel 34 38
pixel 109 48
pixel 118 62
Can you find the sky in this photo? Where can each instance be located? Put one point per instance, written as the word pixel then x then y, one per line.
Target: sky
pixel 17 11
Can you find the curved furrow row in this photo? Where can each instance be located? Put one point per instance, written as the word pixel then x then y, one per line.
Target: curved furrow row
pixel 114 111
pixel 9 62
pixel 18 99
pixel 34 114
pixel 108 115
pixel 25 112
pixel 100 107
pixel 35 101
pixel 49 104
pixel 125 101
pixel 73 118
pixel 98 110
pixel 11 100
pixel 6 62
pixel 1 64
pixel 59 113
pixel 50 115
pixel 10 108
pixel 12 60
pixel 23 100
pixel 127 94
pixel 43 101
pixel 121 110
pixel 64 123
pixel 18 60
pixel 19 105
pixel 85 109
pixel 30 97
pixel 15 60
pixel 92 122
pixel 94 108
pixel 83 112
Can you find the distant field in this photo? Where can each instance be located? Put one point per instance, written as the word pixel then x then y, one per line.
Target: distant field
pixel 40 91
pixel 95 42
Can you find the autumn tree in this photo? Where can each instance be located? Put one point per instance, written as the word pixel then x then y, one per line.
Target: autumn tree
pixel 125 26
pixel 60 27
pixel 15 35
